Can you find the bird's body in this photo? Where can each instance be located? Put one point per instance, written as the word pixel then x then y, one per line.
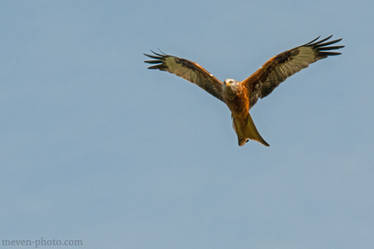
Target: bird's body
pixel 236 97
pixel 240 97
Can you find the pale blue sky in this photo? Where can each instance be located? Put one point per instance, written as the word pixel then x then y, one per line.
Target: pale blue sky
pixel 95 147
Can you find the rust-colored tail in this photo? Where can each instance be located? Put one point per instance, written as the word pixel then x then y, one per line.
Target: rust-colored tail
pixel 245 129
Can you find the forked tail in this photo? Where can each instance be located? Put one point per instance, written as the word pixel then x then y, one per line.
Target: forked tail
pixel 246 129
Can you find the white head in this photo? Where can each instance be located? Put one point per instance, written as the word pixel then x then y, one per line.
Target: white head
pixel 229 82
pixel 230 88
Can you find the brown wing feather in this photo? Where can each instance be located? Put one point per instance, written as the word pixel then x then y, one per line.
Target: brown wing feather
pixel 188 70
pixel 277 69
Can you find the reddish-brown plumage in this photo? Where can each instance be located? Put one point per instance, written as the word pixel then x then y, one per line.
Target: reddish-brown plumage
pixel 241 96
pixel 238 101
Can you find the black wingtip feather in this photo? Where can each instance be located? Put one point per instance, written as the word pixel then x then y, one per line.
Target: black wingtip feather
pixel 330 48
pixel 158 54
pixel 153 57
pixel 329 53
pixel 153 67
pixel 325 39
pixel 159 66
pixel 321 46
pixel 327 43
pixel 153 61
pixel 312 40
pixel 157 59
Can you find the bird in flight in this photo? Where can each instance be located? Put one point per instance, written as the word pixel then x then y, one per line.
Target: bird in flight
pixel 241 96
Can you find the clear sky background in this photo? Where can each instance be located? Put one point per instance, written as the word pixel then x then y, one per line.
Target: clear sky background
pixel 94 146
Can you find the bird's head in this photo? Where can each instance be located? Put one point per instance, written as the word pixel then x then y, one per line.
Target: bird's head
pixel 230 89
pixel 230 84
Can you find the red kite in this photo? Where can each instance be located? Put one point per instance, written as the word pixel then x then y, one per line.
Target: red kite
pixel 240 97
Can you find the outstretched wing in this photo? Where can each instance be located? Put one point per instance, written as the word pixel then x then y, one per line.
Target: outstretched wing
pixel 188 70
pixel 277 69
